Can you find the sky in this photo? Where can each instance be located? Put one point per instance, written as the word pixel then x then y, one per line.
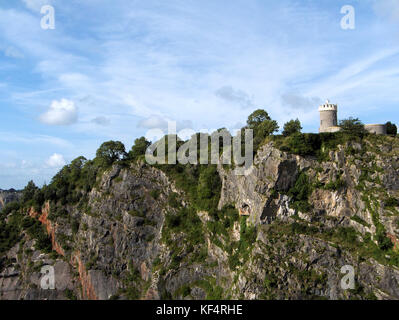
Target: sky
pixel 112 70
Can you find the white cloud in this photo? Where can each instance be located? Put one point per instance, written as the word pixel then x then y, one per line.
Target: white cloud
pixel 61 112
pixel 56 161
pixel 13 52
pixel 36 5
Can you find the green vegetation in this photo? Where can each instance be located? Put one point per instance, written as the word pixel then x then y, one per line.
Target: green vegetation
pixel 392 129
pixel 201 183
pixel 110 152
pixel 352 127
pixel 185 226
pixel 239 250
pixel 11 231
pixel 391 202
pixel 292 127
pixel 70 295
pixel 300 193
pixel 311 144
pixel 133 283
pixel 262 125
pixel 360 220
pixel 212 290
pixel 155 194
pixel 139 148
pixel 345 238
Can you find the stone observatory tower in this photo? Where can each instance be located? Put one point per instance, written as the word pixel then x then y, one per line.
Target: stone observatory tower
pixel 328 117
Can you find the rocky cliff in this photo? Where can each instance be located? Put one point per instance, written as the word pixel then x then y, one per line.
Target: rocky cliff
pixel 284 231
pixel 7 196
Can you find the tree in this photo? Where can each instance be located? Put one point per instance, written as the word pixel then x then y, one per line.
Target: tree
pixel 262 126
pixel 352 126
pixel 291 127
pixel 29 192
pixel 392 129
pixel 110 152
pixel 76 167
pixel 139 148
pixel 257 117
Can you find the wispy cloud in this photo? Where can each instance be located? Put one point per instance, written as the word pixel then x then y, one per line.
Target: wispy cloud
pixel 128 66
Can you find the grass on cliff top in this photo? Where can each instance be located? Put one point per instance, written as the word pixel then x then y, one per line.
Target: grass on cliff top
pixel 319 145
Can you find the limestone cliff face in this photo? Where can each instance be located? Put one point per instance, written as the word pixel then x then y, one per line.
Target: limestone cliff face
pixel 368 177
pixel 127 240
pixel 7 196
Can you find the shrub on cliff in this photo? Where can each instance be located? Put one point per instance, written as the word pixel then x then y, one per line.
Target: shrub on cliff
pixel 300 193
pixel 392 129
pixel 208 190
pixel 292 127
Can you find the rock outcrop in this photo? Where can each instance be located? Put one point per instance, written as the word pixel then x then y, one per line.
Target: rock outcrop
pixel 7 196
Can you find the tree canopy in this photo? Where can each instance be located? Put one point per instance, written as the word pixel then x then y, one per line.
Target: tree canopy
pixel 110 152
pixel 392 129
pixel 262 125
pixel 139 148
pixel 352 126
pixel 291 127
pixel 257 117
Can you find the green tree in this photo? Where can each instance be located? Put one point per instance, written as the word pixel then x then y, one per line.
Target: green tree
pixel 257 117
pixel 110 152
pixel 291 127
pixel 208 189
pixel 139 148
pixel 262 125
pixel 76 167
pixel 29 192
pixel 352 126
pixel 392 129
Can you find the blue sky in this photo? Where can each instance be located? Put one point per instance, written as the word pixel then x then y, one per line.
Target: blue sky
pixel 114 69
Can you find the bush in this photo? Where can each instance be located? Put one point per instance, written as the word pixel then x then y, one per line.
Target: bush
pixel 352 127
pixel 391 202
pixel 300 193
pixel 139 148
pixel 391 128
pixel 10 207
pixel 292 127
pixel 155 194
pixel 173 200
